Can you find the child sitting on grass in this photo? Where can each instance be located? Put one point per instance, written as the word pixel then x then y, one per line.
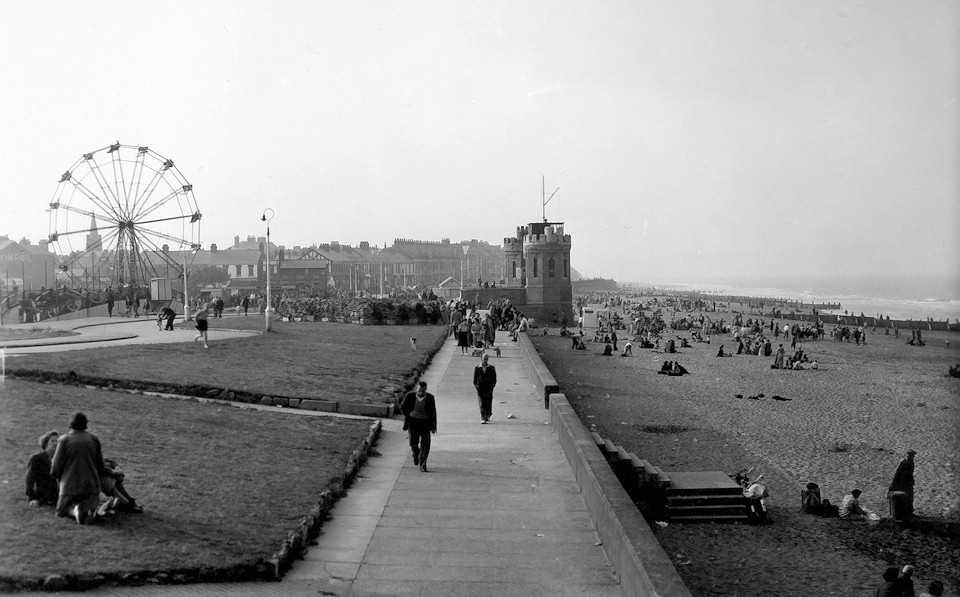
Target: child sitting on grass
pixel 111 483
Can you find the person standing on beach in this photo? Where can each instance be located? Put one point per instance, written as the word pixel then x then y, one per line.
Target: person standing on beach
pixel 419 410
pixel 77 465
pixel 484 380
pixel 903 480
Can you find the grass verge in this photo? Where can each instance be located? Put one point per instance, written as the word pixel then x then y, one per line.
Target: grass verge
pixel 222 486
pixel 323 361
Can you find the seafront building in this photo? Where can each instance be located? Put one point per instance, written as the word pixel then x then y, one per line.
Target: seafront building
pixel 532 269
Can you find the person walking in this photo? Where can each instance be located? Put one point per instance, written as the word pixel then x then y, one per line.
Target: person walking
pixel 201 317
pixel 903 482
pixel 245 304
pixel 484 380
pixel 77 466
pixel 419 410
pixel 110 300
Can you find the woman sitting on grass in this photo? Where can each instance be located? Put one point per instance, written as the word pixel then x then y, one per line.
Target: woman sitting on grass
pixel 42 488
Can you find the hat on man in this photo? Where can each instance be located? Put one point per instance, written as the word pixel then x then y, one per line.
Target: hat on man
pixel 911 451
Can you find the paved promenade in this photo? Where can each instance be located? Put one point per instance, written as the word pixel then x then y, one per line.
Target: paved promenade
pixel 499 512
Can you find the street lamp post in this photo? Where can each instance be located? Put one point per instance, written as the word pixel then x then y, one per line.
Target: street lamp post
pixel 186 297
pixel 465 249
pixel 268 312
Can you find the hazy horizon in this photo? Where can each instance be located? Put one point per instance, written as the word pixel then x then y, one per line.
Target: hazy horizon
pixel 742 141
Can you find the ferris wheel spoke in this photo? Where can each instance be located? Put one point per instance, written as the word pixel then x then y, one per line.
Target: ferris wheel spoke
pixel 156 252
pixel 139 202
pixel 161 202
pixel 117 163
pixel 84 212
pixel 108 191
pixel 183 217
pixel 94 197
pixel 136 176
pixel 79 257
pixel 162 235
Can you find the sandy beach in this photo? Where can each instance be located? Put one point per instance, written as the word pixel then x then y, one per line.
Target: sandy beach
pixel 844 426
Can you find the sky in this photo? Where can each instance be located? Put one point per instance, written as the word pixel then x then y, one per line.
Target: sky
pixel 799 144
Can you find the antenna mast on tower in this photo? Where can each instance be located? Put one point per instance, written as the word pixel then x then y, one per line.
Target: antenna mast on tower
pixel 544 199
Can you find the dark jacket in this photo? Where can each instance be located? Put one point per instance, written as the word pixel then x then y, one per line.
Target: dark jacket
pixel 41 486
pixel 903 478
pixel 484 381
pixel 430 403
pixel 78 464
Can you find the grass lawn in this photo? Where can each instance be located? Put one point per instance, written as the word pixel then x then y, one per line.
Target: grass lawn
pixel 325 361
pixel 220 485
pixel 32 333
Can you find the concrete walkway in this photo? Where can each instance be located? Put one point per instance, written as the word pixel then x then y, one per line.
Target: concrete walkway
pixel 97 332
pixel 499 512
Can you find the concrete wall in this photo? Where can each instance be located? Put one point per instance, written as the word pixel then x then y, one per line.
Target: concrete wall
pixel 643 566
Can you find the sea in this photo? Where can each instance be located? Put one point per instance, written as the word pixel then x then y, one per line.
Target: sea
pixel 855 304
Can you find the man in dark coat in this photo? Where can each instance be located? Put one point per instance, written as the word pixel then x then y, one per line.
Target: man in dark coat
pixel 77 466
pixel 419 410
pixel 903 480
pixel 41 486
pixel 484 380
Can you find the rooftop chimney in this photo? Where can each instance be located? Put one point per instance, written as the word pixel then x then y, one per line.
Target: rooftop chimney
pixel 236 240
pixel 213 247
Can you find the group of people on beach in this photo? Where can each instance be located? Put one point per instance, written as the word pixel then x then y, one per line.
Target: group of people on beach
pixel 69 472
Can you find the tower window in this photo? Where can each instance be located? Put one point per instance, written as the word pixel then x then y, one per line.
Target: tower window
pixel 514 262
pixel 551 269
pixel 566 268
pixel 535 263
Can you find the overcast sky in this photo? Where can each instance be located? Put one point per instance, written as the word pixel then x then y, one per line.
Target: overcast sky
pixel 757 141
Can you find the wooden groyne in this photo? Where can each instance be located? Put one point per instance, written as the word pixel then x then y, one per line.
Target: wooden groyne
pixel 869 322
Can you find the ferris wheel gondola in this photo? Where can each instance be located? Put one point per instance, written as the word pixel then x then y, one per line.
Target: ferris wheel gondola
pixel 116 213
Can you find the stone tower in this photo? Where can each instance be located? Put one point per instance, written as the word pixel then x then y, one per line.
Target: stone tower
pixel 513 257
pixel 546 268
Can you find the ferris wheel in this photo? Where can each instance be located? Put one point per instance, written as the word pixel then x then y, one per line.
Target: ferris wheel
pixel 117 213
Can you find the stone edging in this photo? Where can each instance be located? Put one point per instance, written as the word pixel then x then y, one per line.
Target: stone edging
pixel 295 544
pixel 273 568
pixel 643 566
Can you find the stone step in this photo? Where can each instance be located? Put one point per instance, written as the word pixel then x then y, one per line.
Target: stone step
pixel 705 499
pixel 710 518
